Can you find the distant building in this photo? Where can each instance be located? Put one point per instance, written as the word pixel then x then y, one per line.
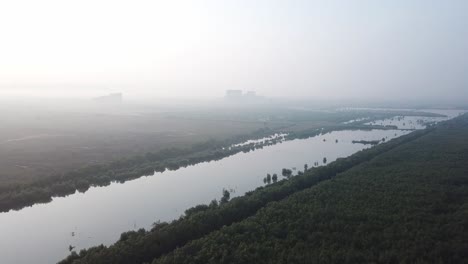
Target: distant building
pixel 112 98
pixel 234 94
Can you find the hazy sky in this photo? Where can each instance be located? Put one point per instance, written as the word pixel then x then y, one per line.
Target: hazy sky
pixel 323 48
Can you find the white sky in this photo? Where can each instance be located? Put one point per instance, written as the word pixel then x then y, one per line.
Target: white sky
pixel 326 48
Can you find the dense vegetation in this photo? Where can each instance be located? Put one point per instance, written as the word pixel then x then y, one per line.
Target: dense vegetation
pixel 17 196
pixel 407 205
pixel 370 142
pixel 144 246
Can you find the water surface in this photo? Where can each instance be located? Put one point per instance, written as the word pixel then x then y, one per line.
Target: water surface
pixel 99 216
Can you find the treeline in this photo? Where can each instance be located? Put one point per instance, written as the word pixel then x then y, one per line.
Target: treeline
pixel 343 116
pixel 144 246
pixel 369 142
pixel 307 133
pixel 407 205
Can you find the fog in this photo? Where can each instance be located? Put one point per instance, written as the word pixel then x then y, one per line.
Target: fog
pixel 333 50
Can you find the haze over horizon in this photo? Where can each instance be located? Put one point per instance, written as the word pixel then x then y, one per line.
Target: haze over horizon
pixel 322 49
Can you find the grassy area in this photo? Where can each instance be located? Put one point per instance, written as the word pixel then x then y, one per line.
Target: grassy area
pixel 34 146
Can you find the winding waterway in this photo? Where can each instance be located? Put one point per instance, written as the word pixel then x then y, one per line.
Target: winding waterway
pixel 43 233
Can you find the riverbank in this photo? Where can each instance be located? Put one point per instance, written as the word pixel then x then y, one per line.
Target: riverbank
pixel 204 219
pixel 18 196
pixel 406 205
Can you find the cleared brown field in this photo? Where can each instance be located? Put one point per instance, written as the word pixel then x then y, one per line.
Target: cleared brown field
pixel 35 144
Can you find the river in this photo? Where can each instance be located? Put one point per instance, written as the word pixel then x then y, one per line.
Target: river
pixel 43 233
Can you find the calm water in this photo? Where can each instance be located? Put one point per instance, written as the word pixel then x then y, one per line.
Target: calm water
pixel 417 122
pixel 42 233
pixel 261 140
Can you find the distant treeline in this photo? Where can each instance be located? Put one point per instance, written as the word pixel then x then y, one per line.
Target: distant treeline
pixel 143 246
pixel 317 131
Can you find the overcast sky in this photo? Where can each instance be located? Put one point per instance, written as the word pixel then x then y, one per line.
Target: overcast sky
pixel 325 49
